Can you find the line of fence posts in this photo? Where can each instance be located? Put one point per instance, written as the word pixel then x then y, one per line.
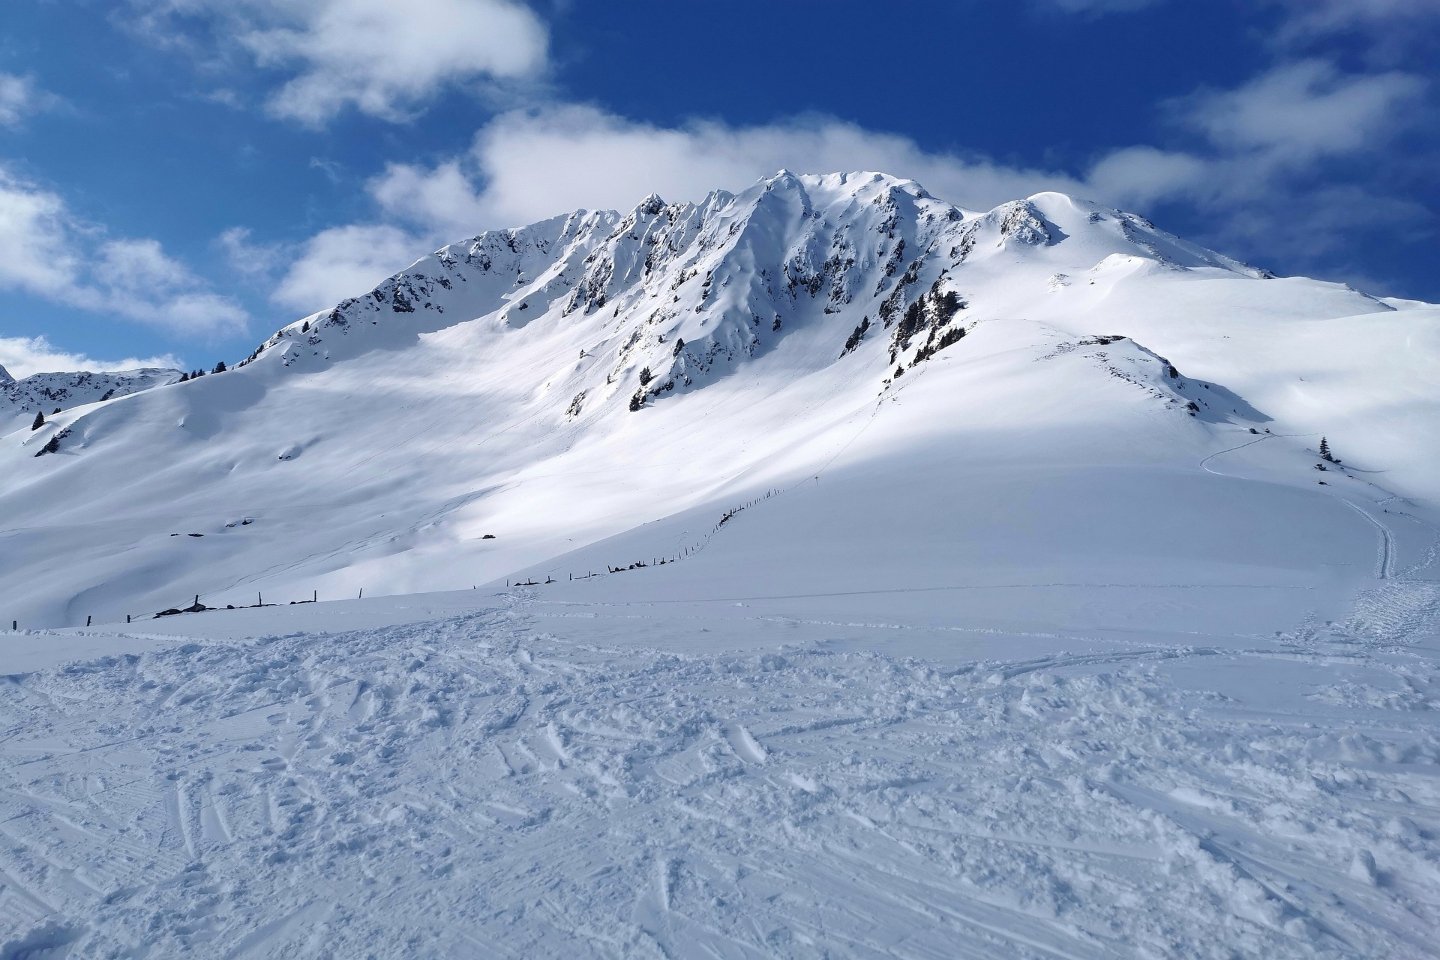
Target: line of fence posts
pixel 684 553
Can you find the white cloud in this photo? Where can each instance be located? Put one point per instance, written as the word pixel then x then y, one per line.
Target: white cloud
pixel 346 262
pixel 441 200
pixel 1301 111
pixel 1256 143
pixel 1310 18
pixel 1145 175
pixel 35 233
pixel 20 98
pixel 22 356
pixel 247 257
pixel 333 170
pixel 1260 140
pixel 527 165
pixel 46 251
pixel 382 57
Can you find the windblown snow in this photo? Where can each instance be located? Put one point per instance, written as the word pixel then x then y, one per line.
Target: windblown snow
pixel 822 570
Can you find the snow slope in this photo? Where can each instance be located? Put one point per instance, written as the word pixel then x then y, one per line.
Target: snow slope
pixel 617 769
pixel 1051 642
pixel 43 393
pixel 487 389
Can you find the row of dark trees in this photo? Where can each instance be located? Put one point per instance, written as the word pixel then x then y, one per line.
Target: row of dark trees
pixel 197 374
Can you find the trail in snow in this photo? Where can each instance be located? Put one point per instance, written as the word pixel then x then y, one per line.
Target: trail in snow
pixel 1205 463
pixel 1385 558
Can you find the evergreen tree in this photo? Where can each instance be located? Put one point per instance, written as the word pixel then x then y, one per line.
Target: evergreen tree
pixel 220 367
pixel 646 376
pixel 39 421
pixel 1325 450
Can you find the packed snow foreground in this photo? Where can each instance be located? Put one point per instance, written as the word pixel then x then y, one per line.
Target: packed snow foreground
pixel 865 577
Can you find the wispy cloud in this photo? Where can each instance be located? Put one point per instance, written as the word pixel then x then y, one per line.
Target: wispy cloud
pixel 22 356
pixel 49 252
pixel 380 57
pixel 1300 112
pixel 20 98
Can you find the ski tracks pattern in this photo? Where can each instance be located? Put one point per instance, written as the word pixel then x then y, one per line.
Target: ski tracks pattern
pixel 468 787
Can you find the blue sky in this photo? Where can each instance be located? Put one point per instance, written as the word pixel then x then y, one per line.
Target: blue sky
pixel 180 177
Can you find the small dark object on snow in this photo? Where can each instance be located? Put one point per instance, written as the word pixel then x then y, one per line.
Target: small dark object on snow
pixel 488 536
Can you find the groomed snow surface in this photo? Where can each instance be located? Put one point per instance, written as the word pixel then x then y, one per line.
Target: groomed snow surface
pixel 1057 639
pixel 547 772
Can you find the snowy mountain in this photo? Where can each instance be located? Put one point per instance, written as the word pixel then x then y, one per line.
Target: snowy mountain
pixel 578 379
pixel 820 570
pixel 43 393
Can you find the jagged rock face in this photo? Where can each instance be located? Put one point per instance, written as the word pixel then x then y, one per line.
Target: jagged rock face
pixel 21 399
pixel 668 297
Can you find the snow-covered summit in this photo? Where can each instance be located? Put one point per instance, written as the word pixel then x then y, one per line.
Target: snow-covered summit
pixel 686 292
pixel 577 379
pixel 44 393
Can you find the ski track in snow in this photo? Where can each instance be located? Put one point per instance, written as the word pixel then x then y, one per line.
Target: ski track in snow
pixel 468 787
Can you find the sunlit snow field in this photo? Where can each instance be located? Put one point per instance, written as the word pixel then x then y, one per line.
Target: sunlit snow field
pixel 1057 644
pixel 762 750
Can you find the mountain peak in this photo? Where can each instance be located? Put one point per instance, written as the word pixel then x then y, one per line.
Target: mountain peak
pixel 651 205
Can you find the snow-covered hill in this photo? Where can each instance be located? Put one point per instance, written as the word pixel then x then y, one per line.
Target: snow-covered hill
pixel 44 393
pixel 510 399
pixel 830 570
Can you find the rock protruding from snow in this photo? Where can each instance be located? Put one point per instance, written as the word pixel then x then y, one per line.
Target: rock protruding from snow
pixel 671 296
